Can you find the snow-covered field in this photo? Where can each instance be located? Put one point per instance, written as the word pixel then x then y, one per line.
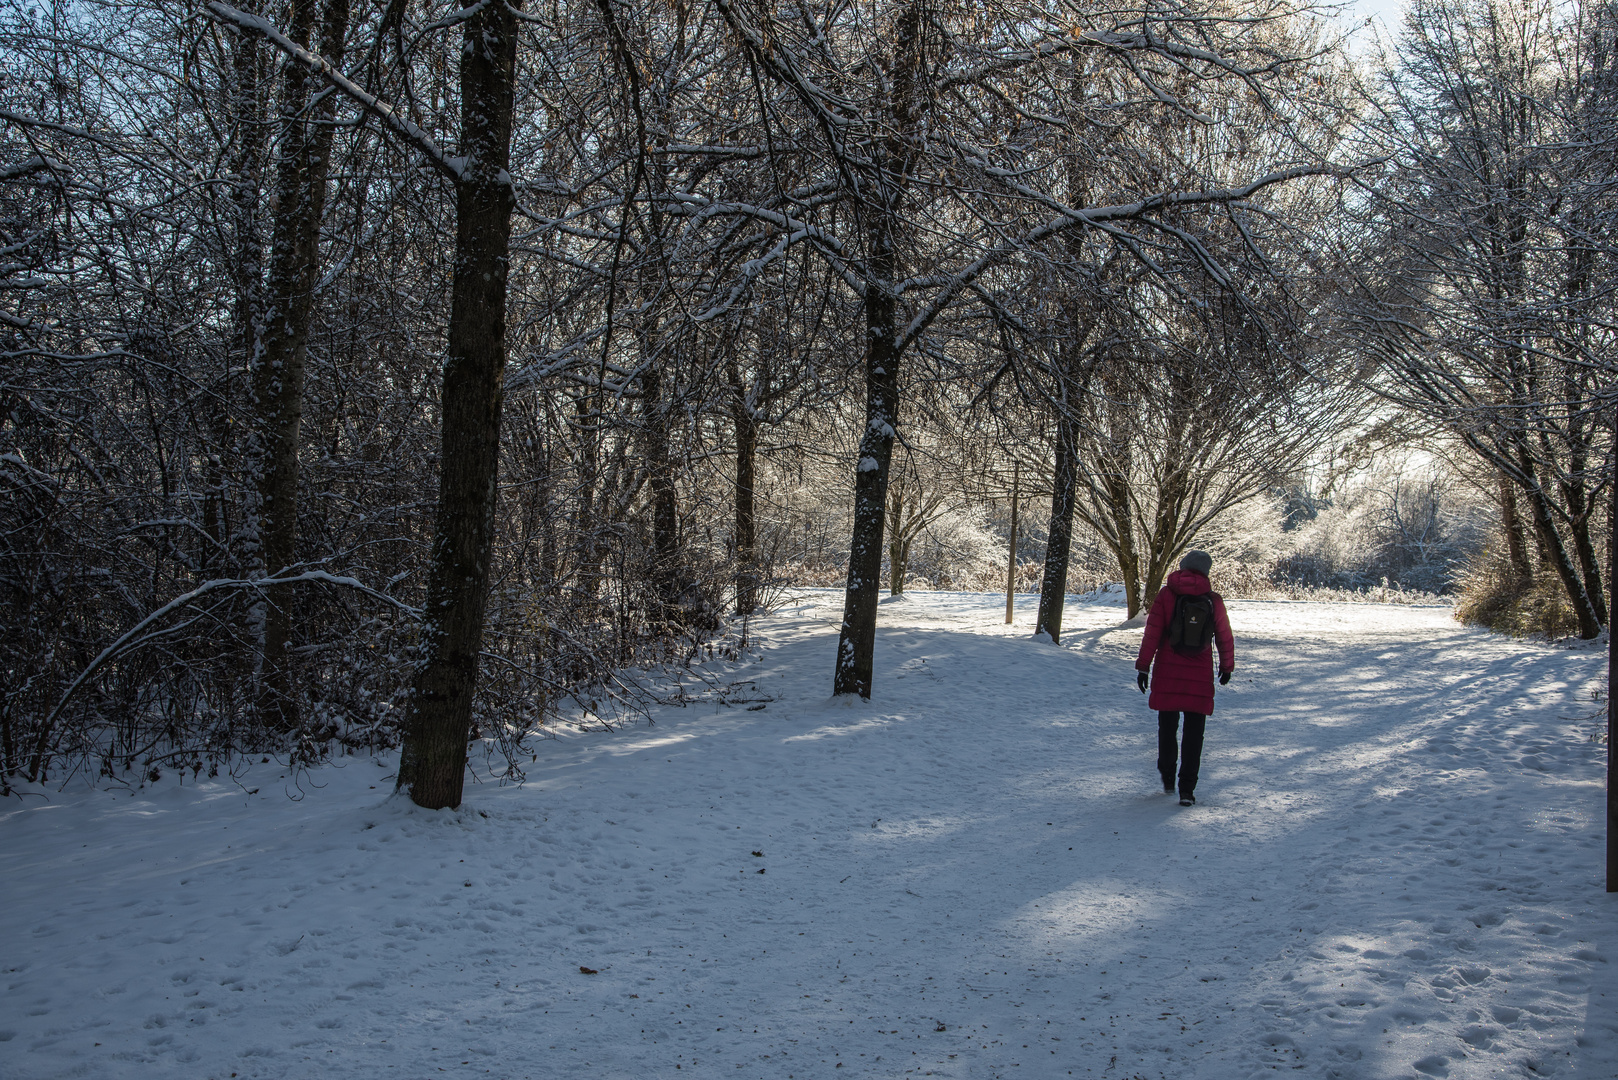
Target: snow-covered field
pixel 1394 870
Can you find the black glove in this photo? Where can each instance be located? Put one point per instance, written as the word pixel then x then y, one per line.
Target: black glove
pixel 1224 677
pixel 1140 680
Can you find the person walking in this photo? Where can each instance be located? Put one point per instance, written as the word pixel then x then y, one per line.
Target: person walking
pixel 1186 620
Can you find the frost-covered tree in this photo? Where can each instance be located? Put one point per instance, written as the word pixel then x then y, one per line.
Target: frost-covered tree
pixel 921 116
pixel 1488 284
pixel 1415 526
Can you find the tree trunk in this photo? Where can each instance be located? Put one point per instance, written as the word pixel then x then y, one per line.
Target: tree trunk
pixel 1589 565
pixel 1058 547
pixel 1511 525
pixel 1571 468
pixel 903 571
pixel 1011 558
pixel 895 529
pixel 432 763
pixel 1556 552
pixel 888 179
pixel 9 762
pixel 587 552
pixel 1123 517
pixel 857 638
pixel 247 107
pixel 1072 389
pixel 1612 680
pixel 746 516
pixel 666 575
pixel 1580 508
pixel 278 361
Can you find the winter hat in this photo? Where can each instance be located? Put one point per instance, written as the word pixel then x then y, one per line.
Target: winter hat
pixel 1198 562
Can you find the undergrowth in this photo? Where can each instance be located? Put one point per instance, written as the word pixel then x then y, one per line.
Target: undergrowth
pixel 1495 596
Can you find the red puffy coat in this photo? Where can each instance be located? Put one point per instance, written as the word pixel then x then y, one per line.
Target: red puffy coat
pixel 1183 683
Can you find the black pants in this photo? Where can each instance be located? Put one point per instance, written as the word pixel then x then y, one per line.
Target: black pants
pixel 1190 754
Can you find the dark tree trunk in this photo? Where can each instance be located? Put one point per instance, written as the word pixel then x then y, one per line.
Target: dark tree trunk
pixel 1011 556
pixel 1580 508
pixel 247 107
pixel 9 762
pixel 1589 565
pixel 550 551
pixel 888 181
pixel 1065 459
pixel 1612 679
pixel 432 763
pixel 746 517
pixel 278 361
pixel 1556 552
pixel 213 549
pixel 1572 462
pixel 587 551
pixel 1116 488
pixel 1111 509
pixel 1511 525
pixel 894 527
pixel 666 569
pixel 857 639
pixel 1058 548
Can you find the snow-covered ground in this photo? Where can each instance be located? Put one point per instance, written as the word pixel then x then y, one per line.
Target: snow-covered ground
pixel 1394 870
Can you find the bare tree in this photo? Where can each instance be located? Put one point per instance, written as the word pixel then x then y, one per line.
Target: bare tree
pixel 432 762
pixel 1488 301
pixel 926 139
pixel 280 353
pixel 439 713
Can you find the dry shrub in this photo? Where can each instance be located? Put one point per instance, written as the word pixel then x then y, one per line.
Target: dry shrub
pixel 1243 580
pixel 815 574
pixel 1495 596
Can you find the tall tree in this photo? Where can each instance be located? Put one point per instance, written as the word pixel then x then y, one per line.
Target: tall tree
pixel 432 763
pixel 1482 290
pixel 279 358
pixel 928 139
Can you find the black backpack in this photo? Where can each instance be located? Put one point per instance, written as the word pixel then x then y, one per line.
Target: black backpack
pixel 1191 626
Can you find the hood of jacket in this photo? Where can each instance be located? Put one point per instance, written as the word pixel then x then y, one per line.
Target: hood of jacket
pixel 1188 583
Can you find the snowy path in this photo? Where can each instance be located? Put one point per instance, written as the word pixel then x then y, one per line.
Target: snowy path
pixel 1393 871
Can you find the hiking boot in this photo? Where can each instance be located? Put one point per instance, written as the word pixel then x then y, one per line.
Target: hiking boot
pixel 1168 784
pixel 1188 799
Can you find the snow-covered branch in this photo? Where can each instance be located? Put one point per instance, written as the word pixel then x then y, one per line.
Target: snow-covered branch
pixel 392 118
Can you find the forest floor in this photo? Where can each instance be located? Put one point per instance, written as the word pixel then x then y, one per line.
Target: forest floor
pixel 1394 869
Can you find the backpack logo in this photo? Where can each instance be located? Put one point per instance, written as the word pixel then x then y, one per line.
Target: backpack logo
pixel 1191 626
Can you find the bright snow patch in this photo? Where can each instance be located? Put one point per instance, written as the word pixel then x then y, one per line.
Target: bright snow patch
pixel 1394 870
pixel 1112 594
pixel 869 464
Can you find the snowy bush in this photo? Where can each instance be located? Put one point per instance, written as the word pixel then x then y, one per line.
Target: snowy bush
pixel 1246 542
pixel 1400 535
pixel 1400 529
pixel 959 551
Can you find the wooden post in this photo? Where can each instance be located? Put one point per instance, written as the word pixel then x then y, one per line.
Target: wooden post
pixel 1011 560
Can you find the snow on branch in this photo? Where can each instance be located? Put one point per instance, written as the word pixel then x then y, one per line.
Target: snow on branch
pixel 793 228
pixel 141 632
pixel 1098 217
pixel 392 118
pixel 29 166
pixel 456 19
pixel 49 125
